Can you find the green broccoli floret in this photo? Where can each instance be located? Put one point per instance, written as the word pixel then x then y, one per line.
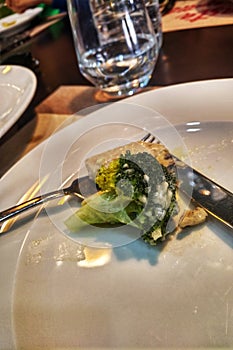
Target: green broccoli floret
pixel 106 175
pixel 137 190
pixel 130 173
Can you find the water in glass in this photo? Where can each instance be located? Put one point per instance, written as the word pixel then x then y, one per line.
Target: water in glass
pixel 156 18
pixel 115 43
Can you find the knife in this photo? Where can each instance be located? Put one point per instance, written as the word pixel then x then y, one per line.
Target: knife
pixel 19 39
pixel 215 199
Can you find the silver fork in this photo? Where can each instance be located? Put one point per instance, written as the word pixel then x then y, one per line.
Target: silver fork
pixel 88 187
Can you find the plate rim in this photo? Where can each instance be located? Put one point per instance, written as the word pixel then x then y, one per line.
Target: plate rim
pixel 26 16
pixel 27 96
pixel 40 146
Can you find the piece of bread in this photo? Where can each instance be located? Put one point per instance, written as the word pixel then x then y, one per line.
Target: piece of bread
pixel 155 149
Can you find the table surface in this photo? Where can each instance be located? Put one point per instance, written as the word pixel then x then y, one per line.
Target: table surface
pixel 187 55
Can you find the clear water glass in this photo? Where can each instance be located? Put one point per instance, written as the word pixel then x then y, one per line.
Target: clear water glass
pixel 156 18
pixel 115 43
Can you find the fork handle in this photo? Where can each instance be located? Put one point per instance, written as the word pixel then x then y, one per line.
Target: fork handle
pixel 31 203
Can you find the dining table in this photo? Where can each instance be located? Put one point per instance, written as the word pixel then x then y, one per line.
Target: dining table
pixel 197 47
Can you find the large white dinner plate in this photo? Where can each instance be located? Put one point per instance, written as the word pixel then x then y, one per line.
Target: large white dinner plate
pixel 17 88
pixel 17 22
pixel 178 294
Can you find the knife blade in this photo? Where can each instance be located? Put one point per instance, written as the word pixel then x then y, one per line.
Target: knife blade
pixel 215 199
pixel 19 39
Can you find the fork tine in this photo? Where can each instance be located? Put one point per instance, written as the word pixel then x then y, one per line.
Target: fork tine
pixel 150 138
pixel 145 138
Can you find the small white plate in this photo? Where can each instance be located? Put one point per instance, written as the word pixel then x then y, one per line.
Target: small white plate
pixel 17 22
pixel 17 87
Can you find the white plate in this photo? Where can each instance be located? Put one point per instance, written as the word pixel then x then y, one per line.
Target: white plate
pixel 178 294
pixel 17 87
pixel 17 22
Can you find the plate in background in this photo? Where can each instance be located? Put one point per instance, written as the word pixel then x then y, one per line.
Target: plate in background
pixel 17 88
pixel 17 22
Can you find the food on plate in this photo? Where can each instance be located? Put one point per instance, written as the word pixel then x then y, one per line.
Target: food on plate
pixel 8 24
pixel 193 217
pixel 157 150
pixel 137 186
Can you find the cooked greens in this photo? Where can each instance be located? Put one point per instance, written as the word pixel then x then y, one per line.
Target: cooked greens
pixel 135 189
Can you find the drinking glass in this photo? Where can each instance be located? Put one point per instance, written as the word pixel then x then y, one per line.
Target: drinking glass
pixel 115 43
pixel 153 9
